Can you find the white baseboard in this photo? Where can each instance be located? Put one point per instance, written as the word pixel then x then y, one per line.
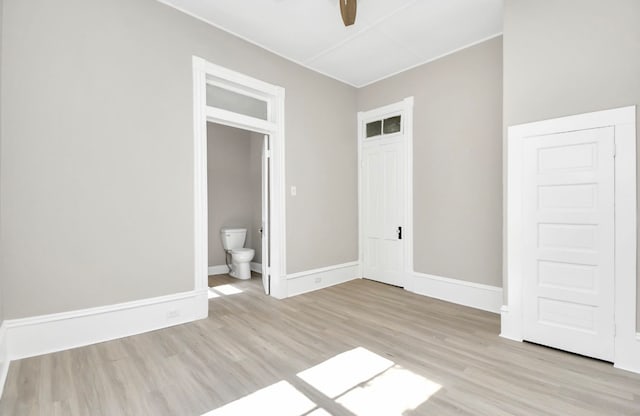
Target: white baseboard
pixel 28 337
pixel 310 280
pixel 4 357
pixel 223 269
pixel 213 270
pixel 510 328
pixel 627 355
pixel 475 295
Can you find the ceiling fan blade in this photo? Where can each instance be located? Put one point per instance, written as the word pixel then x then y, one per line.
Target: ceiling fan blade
pixel 348 10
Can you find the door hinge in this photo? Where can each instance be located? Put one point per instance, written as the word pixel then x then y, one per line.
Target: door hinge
pixel 615 150
pixel 399 233
pixel 267 154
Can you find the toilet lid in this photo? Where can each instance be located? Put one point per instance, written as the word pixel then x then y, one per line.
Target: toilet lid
pixel 242 250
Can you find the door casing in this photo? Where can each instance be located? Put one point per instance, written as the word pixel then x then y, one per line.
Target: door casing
pixel 626 339
pixel 207 73
pixel 405 108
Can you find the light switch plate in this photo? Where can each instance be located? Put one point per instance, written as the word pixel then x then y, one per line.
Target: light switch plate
pixel 294 191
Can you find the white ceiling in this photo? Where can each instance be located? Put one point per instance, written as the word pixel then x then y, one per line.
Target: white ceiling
pixel 389 36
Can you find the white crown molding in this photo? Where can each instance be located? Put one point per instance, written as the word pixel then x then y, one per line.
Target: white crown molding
pixel 308 62
pixel 244 38
pixel 430 60
pixel 365 28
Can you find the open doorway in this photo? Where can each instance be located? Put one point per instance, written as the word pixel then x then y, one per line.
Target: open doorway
pixel 238 206
pixel 234 100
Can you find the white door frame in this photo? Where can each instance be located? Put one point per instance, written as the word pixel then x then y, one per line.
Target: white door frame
pixel 207 73
pixel 405 108
pixel 627 341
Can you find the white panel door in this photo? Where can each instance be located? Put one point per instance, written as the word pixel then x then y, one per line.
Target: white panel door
pixel 266 249
pixel 568 216
pixel 383 211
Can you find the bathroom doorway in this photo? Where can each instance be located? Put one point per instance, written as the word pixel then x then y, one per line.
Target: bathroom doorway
pixel 238 204
pixel 225 97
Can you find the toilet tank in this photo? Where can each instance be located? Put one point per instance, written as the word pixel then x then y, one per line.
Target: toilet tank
pixel 233 237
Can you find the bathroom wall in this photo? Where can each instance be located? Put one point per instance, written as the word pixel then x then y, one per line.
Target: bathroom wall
pixel 232 186
pixel 255 166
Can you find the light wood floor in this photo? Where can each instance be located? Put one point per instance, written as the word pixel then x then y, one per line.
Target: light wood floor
pixel 251 341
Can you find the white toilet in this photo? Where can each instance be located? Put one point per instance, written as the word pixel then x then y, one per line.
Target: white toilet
pixel 233 241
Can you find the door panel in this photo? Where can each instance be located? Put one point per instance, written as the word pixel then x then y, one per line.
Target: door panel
pixel 383 211
pixel 568 218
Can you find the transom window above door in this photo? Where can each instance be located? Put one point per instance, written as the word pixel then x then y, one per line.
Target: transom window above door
pixel 385 126
pixel 236 101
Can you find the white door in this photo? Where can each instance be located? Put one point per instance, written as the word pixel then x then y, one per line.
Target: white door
pixel 568 216
pixel 383 199
pixel 266 255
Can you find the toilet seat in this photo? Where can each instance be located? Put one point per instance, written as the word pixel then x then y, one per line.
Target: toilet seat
pixel 241 250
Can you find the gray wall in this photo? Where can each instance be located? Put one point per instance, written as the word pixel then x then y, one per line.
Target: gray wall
pixel 255 173
pixel 1 253
pixel 231 186
pixel 97 153
pixel 570 57
pixel 457 160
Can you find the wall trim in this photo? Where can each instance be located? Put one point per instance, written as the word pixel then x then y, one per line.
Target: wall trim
pixel 430 60
pixel 475 295
pixel 322 269
pixel 37 335
pixel 205 73
pixel 256 267
pixel 223 269
pixel 310 280
pixel 627 347
pixel 309 67
pixel 4 357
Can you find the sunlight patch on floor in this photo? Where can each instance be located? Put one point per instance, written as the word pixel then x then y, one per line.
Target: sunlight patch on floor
pixel 280 399
pixel 391 393
pixel 359 381
pixel 345 371
pixel 223 290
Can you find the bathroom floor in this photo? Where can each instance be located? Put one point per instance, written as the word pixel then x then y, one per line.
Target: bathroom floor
pixel 225 279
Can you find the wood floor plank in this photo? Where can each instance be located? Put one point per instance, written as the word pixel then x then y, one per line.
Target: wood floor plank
pixel 251 341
